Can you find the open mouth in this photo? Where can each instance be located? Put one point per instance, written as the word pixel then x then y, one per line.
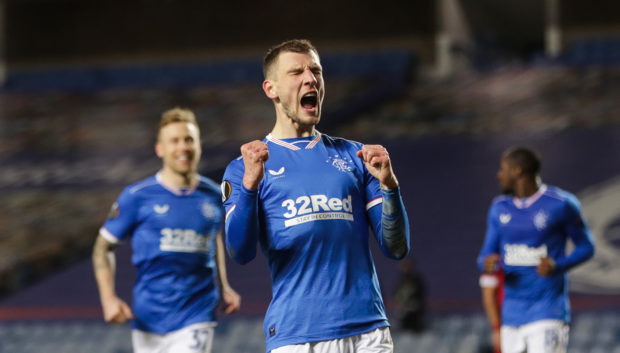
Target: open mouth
pixel 309 100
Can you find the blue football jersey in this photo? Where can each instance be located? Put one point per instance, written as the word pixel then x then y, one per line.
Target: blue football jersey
pixel 316 203
pixel 172 235
pixel 523 231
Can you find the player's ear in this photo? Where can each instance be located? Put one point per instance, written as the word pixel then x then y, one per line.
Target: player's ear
pixel 270 89
pixel 517 170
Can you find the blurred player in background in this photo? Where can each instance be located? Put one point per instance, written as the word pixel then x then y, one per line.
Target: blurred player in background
pixel 410 298
pixel 174 221
pixel 492 287
pixel 309 199
pixel 527 232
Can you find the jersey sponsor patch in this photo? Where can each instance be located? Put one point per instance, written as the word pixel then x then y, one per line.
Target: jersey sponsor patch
pixel 184 240
pixel 523 255
pixel 316 208
pixel 226 190
pixel 114 212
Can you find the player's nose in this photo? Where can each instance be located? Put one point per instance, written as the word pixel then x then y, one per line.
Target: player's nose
pixel 309 77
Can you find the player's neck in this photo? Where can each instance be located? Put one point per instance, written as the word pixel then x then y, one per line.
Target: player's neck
pixel 292 130
pixel 527 187
pixel 178 180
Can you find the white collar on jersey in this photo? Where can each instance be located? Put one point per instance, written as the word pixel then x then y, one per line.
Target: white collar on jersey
pixel 176 190
pixel 291 146
pixel 528 201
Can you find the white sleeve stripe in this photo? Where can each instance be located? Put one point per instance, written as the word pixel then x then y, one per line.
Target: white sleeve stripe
pixel 108 236
pixel 488 281
pixel 372 203
pixel 230 211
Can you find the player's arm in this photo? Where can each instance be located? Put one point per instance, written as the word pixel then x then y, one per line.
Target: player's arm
pixel 242 218
pixel 231 299
pixel 488 286
pixel 115 310
pixel 577 230
pixel 489 257
pixel 391 224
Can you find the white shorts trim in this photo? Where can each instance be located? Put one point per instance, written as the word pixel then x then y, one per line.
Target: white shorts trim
pixel 196 338
pixel 376 341
pixel 543 336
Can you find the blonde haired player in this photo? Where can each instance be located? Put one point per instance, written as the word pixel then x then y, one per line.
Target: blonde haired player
pixel 174 222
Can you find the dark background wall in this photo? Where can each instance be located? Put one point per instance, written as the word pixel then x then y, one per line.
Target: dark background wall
pixel 68 29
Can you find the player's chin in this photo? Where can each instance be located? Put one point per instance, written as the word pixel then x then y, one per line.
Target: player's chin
pixel 185 169
pixel 310 117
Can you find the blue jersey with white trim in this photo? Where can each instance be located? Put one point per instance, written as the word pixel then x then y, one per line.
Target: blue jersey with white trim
pixel 524 231
pixel 316 203
pixel 172 235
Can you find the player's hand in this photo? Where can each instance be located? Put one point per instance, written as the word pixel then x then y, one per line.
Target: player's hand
pixel 490 262
pixel 115 310
pixel 255 154
pixel 377 161
pixel 231 299
pixel 546 267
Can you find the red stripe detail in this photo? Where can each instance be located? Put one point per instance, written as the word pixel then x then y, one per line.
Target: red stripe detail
pixel 314 142
pixel 282 143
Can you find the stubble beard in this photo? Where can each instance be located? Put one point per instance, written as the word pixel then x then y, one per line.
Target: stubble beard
pixel 294 117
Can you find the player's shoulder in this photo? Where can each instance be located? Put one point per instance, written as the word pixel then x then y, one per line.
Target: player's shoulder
pixel 556 194
pixel 208 185
pixel 234 168
pixel 142 186
pixel 500 200
pixel 340 142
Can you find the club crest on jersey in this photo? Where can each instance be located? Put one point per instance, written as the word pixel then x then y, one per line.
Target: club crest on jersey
pixel 540 220
pixel 226 190
pixel 504 218
pixel 340 163
pixel 161 209
pixel 208 210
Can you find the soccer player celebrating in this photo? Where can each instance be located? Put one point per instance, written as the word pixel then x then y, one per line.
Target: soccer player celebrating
pixel 527 231
pixel 309 199
pixel 175 221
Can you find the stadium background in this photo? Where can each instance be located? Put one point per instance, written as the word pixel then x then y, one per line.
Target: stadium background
pixel 445 85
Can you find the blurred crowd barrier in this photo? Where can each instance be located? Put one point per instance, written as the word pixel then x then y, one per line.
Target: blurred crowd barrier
pixel 446 334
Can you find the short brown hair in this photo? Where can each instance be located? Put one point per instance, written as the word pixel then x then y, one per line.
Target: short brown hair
pixel 292 45
pixel 176 115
